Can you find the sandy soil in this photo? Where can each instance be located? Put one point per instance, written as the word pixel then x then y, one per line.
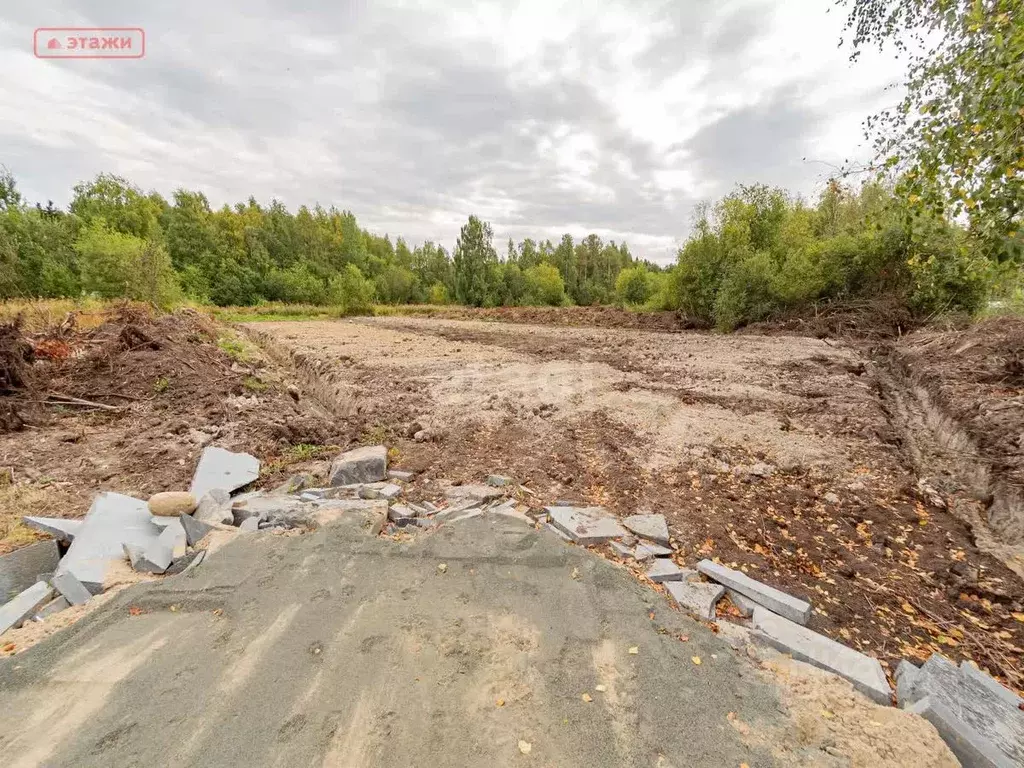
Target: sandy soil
pixel 777 454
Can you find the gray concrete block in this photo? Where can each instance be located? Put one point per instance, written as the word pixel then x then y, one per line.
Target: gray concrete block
pixel 969 746
pixel 113 521
pixel 906 675
pixel 361 465
pixel 223 469
pixel 650 527
pixel 175 536
pixel 60 529
pixel 621 550
pixel 585 525
pixel 250 525
pixel 71 588
pixel 561 534
pixel 650 551
pixel 389 491
pixel 472 492
pixel 158 555
pixel 773 599
pixel 744 605
pixel 402 515
pixel 498 481
pixel 802 644
pixel 215 507
pixel 663 569
pixel 466 516
pixel 970 670
pixel 56 605
pixel 697 597
pixel 401 475
pixel 20 569
pixel 510 512
pixel 194 529
pixel 24 605
pixel 269 508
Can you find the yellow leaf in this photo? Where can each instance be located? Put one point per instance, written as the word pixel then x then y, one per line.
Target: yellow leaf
pixel 500 703
pixel 695 659
pixel 587 698
pixel 634 651
pixel 525 747
pixel 827 714
pixel 1019 617
pixel 908 608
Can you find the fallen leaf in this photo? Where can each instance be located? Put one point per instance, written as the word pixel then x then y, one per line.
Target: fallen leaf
pixel 500 703
pixel 908 608
pixel 1019 617
pixel 443 567
pixel 587 697
pixel 218 612
pixel 9 647
pixel 695 660
pixel 634 651
pixel 525 747
pixel 600 688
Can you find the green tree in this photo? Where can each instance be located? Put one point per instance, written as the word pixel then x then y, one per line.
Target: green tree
pixel 956 140
pixel 474 253
pixel 634 286
pixel 544 285
pixel 115 264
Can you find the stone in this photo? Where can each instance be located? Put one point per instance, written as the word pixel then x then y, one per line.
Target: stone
pixel 426 522
pixel 71 588
pixel 223 469
pixel 561 534
pixel 172 503
pixel 744 605
pixel 621 549
pixel 195 561
pixel 831 498
pixel 585 525
pixel 62 530
pixel 510 511
pixel 175 536
pixel 215 507
pixel 802 644
pixel 361 465
pixel 978 718
pixel 498 481
pixel 650 527
pixel 113 520
pixel 663 570
pixel 181 564
pixel 401 475
pixel 649 551
pixel 773 599
pixel 194 529
pixel 402 515
pixel 389 491
pixel 22 568
pixel 250 524
pixel 472 492
pixel 697 597
pixel 24 605
pixel 467 515
pixel 275 508
pixel 56 605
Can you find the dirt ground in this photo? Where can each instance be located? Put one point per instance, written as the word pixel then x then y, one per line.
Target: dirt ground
pixel 776 454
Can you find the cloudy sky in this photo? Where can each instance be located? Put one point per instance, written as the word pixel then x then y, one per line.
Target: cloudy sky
pixel 543 117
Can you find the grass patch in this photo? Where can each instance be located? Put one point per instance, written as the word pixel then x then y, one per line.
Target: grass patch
pixel 255 384
pixel 296 454
pixel 235 347
pixel 275 311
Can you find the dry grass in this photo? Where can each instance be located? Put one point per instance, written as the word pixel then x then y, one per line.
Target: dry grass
pixel 40 314
pixel 15 501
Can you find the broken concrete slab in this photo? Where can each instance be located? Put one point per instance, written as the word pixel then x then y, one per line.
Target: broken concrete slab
pixel 743 604
pixel 558 532
pixel 804 645
pixel 981 725
pixel 402 515
pixel 466 516
pixel 697 597
pixel 226 470
pixel 401 474
pixel 175 536
pixel 663 570
pixel 24 605
pixel 650 527
pixel 194 529
pixel 585 525
pixel 390 491
pixel 773 599
pixel 71 588
pixel 649 551
pixel 250 524
pixel 62 530
pixel 22 568
pixel 269 508
pixel 56 605
pixel 498 481
pixel 361 465
pixel 970 670
pixel 510 511
pixel 472 492
pixel 620 549
pixel 215 507
pixel 113 521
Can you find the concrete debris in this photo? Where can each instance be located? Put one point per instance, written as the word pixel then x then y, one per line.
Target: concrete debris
pixel 425 522
pixel 560 533
pixel 498 481
pixel 71 588
pixel 402 515
pixel 215 507
pixel 773 599
pixel 181 564
pixel 24 605
pixel 650 551
pixel 194 529
pixel 472 492
pixel 269 508
pixel 56 605
pixel 62 530
pixel 585 525
pixel 294 484
pixel 804 645
pixel 250 524
pixel 361 465
pixel 401 475
pixel 663 570
pixel 390 491
pixel 171 503
pixel 175 536
pixel 223 469
pixel 509 510
pixel 743 604
pixel 979 719
pixel 23 567
pixel 650 527
pixel 621 549
pixel 195 561
pixel 697 597
pixel 466 516
pixel 113 521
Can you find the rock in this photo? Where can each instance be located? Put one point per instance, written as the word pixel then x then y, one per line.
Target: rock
pixel 498 481
pixel 250 524
pixel 558 532
pixel 663 570
pixel 390 491
pixel 223 469
pixel 650 551
pixel 402 515
pixel 831 498
pixel 275 508
pixel 71 588
pixel 697 597
pixel 171 504
pixel 401 475
pixel 215 507
pixel 621 550
pixel 804 645
pixel 62 530
pixel 56 605
pixel 24 605
pixel 361 465
pixel 423 436
pixel 472 492
pixel 113 521
pixel 466 516
pixel 585 525
pixel 761 470
pixel 650 527
pixel 22 568
pixel 194 529
pixel 775 600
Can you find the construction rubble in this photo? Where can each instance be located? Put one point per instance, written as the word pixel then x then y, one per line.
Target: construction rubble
pixel 980 720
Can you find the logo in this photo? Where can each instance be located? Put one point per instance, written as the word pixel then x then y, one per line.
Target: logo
pixel 89 42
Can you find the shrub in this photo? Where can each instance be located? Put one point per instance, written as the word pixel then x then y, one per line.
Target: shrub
pixel 746 293
pixel 544 285
pixel 350 291
pixel 634 286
